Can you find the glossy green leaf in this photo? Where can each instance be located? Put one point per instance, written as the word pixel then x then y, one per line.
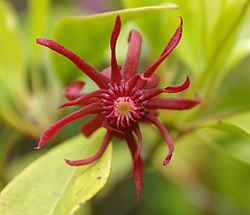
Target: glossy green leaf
pixel 49 186
pixel 220 42
pixel 89 36
pixel 238 124
pixel 207 39
pixel 189 49
pixel 231 127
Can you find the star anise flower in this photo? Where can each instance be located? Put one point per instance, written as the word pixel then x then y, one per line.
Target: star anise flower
pixel 124 99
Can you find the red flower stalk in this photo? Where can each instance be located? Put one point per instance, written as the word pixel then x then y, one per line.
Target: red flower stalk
pixel 124 99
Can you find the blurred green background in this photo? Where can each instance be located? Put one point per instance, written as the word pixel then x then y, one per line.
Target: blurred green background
pixel 210 169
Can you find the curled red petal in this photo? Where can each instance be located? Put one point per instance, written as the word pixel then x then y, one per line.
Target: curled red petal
pixel 115 70
pixel 92 125
pixel 150 93
pixel 164 131
pixel 84 99
pixel 99 153
pixel 134 50
pixel 170 47
pixel 173 103
pixel 73 91
pixel 49 133
pixel 139 135
pixel 177 89
pixel 90 71
pixel 138 166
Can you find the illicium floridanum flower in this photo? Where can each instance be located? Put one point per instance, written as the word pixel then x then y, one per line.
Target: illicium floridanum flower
pixel 124 99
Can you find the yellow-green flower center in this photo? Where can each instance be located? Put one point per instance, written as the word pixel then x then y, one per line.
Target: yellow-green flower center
pixel 124 108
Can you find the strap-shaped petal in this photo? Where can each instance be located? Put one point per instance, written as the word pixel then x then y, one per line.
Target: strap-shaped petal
pixel 177 89
pixel 90 71
pixel 49 133
pixel 92 125
pixel 150 93
pixel 99 153
pixel 138 166
pixel 84 99
pixel 134 50
pixel 152 118
pixel 115 70
pixel 173 103
pixel 139 136
pixel 170 47
pixel 73 91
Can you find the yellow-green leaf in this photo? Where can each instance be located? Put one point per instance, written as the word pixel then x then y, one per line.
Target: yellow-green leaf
pixel 238 124
pixel 49 186
pixel 89 36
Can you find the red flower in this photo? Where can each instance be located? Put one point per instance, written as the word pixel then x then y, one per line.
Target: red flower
pixel 124 99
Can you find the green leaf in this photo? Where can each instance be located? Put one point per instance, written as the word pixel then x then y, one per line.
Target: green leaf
pixel 219 42
pixel 89 36
pixel 49 186
pixel 12 51
pixel 12 60
pixel 238 124
pixel 190 48
pixel 38 19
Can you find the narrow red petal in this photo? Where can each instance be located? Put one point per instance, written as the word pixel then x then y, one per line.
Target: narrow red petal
pixel 150 93
pixel 139 81
pixel 170 47
pixel 138 166
pixel 173 103
pixel 84 99
pixel 73 91
pixel 139 135
pixel 115 71
pixel 116 131
pixel 153 81
pixel 90 71
pixel 92 125
pixel 164 131
pixel 134 50
pixel 49 133
pixel 99 153
pixel 177 89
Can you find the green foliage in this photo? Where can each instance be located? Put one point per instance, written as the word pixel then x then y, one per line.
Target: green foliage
pixel 89 36
pixel 238 124
pixel 210 168
pixel 49 186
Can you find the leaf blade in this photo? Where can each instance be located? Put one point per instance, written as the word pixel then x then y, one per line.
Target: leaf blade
pixel 89 36
pixel 37 190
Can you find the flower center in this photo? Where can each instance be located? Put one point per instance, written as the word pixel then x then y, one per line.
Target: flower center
pixel 123 106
